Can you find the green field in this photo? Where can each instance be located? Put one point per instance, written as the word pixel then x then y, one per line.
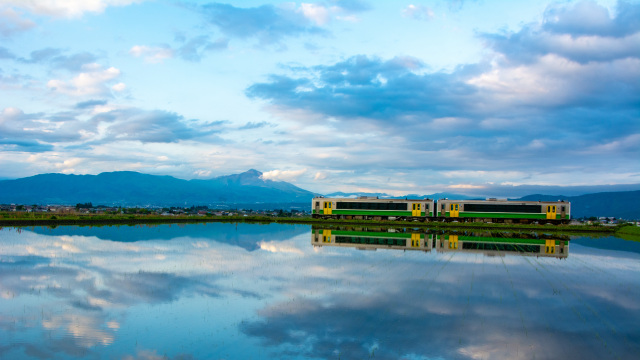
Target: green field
pixel 31 219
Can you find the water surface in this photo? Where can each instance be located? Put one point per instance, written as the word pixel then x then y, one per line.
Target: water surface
pixel 244 291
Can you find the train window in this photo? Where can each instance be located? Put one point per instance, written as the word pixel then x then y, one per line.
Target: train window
pixel 554 209
pixel 562 209
pixel 317 203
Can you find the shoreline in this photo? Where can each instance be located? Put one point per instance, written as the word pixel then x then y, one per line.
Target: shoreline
pixel 100 220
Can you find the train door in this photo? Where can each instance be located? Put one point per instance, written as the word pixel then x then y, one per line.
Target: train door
pixel 550 247
pixel 453 241
pixel 415 209
pixel 327 207
pixel 326 236
pixel 415 240
pixel 454 210
pixel 551 212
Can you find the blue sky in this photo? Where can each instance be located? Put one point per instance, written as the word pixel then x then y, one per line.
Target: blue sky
pixel 398 97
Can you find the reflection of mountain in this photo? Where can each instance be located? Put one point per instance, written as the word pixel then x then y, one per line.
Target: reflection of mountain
pixel 609 243
pixel 247 236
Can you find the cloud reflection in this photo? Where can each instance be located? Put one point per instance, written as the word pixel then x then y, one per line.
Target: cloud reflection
pixel 67 295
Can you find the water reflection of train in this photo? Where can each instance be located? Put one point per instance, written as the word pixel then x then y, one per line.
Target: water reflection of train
pixel 490 243
pixel 491 210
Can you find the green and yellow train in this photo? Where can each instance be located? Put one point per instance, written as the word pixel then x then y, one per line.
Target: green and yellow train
pixel 490 210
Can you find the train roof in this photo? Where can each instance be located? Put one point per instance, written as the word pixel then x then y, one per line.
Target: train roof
pixel 370 198
pixel 467 201
pixel 491 201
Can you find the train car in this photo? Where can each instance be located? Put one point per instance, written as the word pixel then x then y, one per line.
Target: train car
pixel 371 239
pixel 493 210
pixel 372 208
pixel 492 245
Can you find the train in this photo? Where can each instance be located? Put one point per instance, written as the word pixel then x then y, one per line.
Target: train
pixel 485 242
pixel 489 210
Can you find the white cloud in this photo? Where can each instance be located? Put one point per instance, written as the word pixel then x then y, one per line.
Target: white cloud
pixel 92 82
pixel 119 87
pixel 66 8
pixel 283 175
pixel 320 175
pixel 321 15
pixel 152 54
pixel 317 13
pixel 202 173
pixel 418 12
pixel 12 22
pixel 554 80
pixel 279 247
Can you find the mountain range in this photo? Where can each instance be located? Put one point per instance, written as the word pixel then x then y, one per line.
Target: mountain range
pixel 129 188
pixel 246 190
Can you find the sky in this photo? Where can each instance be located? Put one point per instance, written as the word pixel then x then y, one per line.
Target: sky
pixel 337 95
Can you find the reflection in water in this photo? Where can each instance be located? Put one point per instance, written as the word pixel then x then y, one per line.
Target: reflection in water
pixel 486 242
pixel 261 292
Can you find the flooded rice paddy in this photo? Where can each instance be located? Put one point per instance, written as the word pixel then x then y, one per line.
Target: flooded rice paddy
pixel 245 291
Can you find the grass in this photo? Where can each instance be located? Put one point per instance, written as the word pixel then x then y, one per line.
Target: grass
pixel 33 219
pixel 628 232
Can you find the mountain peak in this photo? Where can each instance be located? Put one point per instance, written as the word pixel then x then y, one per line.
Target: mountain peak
pixel 252 173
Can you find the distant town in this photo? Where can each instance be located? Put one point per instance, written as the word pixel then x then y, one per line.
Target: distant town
pixel 88 209
pixel 221 210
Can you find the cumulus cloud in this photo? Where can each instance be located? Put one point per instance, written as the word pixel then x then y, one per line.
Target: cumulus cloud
pixel 155 126
pixel 537 84
pixel 66 8
pixel 94 80
pixel 583 33
pixel 35 132
pixel 12 22
pixel 283 175
pixel 270 24
pixel 40 132
pixel 589 18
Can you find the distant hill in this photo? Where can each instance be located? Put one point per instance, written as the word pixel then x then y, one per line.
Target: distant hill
pixel 623 204
pixel 246 190
pixel 408 196
pixel 132 188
